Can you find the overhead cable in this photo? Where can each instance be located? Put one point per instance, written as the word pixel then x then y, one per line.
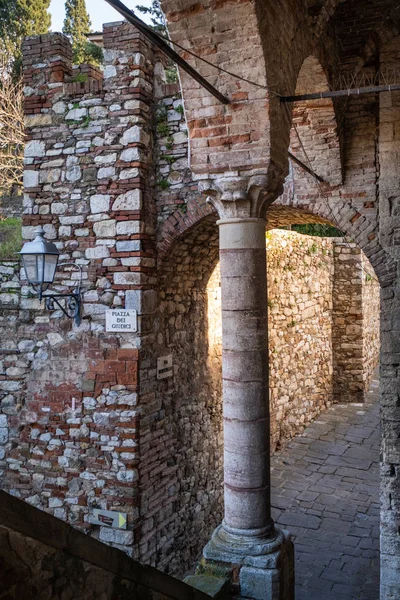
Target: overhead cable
pixel 322 193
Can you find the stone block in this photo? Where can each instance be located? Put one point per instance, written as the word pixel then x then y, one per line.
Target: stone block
pixel 128 227
pixel 106 172
pixel 35 148
pixel 127 278
pixel 38 120
pixel 110 71
pixel 76 114
pixel 260 584
pixel 131 200
pixel 214 587
pixel 134 135
pixel 74 174
pixel 97 252
pixel 128 246
pixel 129 174
pixel 130 155
pixel 133 300
pixel 116 536
pixel 106 159
pixel 100 203
pixel 31 179
pixel 105 229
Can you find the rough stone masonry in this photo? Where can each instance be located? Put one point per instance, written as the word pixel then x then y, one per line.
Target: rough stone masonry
pixel 89 181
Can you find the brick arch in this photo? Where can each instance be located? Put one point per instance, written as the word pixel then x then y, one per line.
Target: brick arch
pixel 339 212
pixel 315 123
pixel 177 225
pixel 257 41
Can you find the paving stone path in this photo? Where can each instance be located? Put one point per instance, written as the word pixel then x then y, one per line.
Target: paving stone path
pixel 326 492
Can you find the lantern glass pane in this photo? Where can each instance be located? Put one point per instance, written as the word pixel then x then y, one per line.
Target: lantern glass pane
pixel 31 268
pixel 50 265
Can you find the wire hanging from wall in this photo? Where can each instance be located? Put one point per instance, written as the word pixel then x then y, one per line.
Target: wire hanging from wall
pixel 323 196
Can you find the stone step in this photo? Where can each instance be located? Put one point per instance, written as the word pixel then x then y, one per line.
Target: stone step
pixel 215 587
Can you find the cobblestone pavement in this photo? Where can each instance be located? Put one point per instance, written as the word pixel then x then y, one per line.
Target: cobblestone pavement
pixel 325 492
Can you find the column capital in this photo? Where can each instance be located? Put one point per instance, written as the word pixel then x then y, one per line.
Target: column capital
pixel 243 196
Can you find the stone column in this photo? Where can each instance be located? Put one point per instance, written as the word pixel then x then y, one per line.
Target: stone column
pixel 245 378
pixel 247 537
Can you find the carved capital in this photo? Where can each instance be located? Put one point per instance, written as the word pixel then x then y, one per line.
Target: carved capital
pixel 243 196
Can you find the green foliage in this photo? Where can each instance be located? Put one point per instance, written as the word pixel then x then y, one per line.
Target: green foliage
pixel 313 249
pixel 93 54
pixel 159 24
pixel 86 121
pixel 171 74
pixel 162 129
pixel 318 230
pixel 76 26
pixel 156 16
pixel 163 184
pixel 19 18
pixel 80 78
pixel 10 238
pixel 179 109
pixel 161 113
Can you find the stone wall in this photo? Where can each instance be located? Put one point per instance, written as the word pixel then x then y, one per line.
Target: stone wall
pixel 371 321
pixel 10 206
pixel 356 307
pixel 83 429
pixel 70 394
pixel 310 351
pixel 181 420
pixel 300 276
pixel 85 422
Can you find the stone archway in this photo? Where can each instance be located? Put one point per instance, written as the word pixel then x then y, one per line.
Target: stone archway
pixel 185 267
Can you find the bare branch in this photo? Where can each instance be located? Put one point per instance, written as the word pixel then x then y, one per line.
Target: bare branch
pixel 12 135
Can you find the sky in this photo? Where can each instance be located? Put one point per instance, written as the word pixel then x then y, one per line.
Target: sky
pixel 100 12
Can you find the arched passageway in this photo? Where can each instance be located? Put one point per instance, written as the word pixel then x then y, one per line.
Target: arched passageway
pixel 189 327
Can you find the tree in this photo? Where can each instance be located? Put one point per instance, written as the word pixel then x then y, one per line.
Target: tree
pixel 18 19
pixel 33 16
pixel 157 18
pixel 159 24
pixel 76 26
pixel 12 136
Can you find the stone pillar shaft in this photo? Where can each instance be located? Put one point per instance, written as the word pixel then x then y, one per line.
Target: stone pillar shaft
pixel 245 377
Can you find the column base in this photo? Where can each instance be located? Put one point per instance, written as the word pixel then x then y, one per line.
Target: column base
pixel 253 569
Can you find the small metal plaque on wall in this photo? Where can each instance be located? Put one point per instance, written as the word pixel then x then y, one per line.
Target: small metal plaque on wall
pixel 109 518
pixel 121 320
pixel 164 367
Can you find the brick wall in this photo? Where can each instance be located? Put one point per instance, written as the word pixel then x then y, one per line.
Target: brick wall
pixel 90 182
pixel 70 393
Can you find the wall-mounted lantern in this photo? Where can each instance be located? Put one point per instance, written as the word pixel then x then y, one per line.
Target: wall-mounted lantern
pixel 40 260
